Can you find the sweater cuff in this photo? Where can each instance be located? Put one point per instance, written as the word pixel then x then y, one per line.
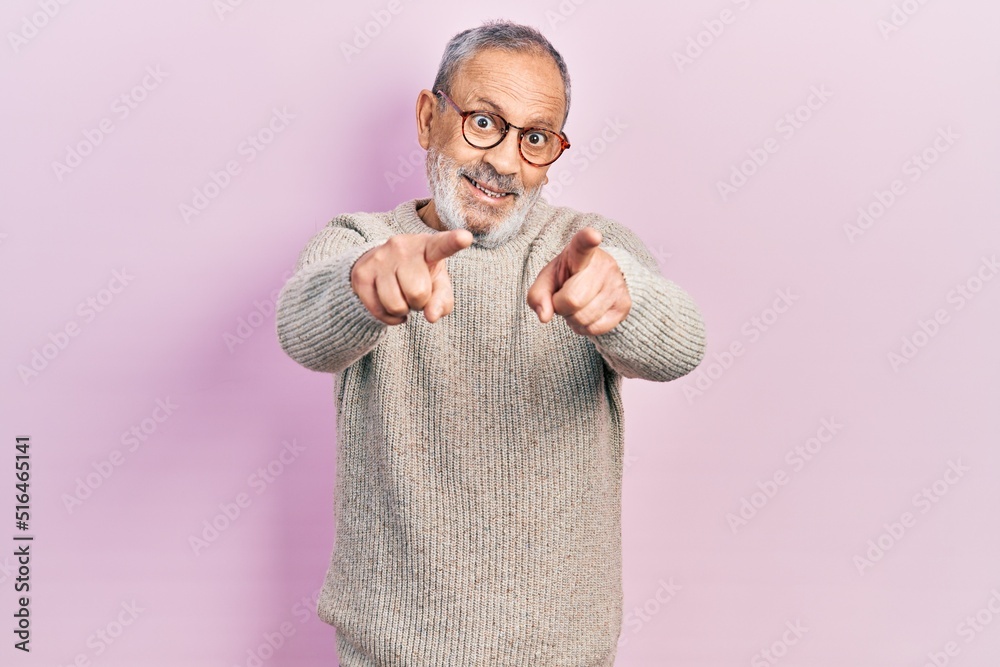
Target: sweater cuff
pixel 346 303
pixel 322 322
pixel 663 336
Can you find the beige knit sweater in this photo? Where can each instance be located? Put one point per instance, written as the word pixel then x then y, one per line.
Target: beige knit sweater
pixel 479 458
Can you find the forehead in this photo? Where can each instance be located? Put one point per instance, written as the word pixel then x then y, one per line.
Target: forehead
pixel 523 85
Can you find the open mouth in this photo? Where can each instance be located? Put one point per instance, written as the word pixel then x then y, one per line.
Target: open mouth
pixel 492 194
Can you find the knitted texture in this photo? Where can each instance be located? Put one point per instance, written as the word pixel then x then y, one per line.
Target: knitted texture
pixel 479 458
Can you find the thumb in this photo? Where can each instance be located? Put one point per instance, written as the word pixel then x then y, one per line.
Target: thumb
pixel 541 291
pixel 581 249
pixel 446 244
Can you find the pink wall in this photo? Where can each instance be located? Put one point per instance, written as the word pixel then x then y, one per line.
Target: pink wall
pixel 813 429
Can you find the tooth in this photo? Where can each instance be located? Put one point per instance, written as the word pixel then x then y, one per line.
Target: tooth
pixel 488 193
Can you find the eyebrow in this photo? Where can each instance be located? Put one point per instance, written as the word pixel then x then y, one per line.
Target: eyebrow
pixel 538 120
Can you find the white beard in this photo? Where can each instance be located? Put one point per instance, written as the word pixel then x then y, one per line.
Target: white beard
pixel 451 204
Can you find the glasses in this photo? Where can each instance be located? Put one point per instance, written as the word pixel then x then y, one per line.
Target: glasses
pixel 484 129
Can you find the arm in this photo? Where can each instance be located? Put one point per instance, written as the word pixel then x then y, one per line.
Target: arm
pixel 663 336
pixel 321 322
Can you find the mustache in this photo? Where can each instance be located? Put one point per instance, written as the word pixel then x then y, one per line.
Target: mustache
pixel 488 176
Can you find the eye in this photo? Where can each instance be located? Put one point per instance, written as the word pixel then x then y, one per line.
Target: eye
pixel 537 138
pixel 482 122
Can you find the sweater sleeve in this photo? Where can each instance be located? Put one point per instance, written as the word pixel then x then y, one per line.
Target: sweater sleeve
pixel 663 336
pixel 320 320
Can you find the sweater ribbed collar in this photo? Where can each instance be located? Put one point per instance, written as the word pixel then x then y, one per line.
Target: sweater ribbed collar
pixel 406 217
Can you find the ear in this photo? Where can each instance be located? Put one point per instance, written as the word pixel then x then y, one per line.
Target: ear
pixel 426 106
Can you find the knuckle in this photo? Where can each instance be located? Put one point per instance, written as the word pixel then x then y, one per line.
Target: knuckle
pixel 422 290
pixel 417 294
pixel 396 309
pixel 396 245
pixel 362 269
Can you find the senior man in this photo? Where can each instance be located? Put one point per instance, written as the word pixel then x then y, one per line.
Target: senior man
pixel 478 340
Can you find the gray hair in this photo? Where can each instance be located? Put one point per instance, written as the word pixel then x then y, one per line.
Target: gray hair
pixel 498 34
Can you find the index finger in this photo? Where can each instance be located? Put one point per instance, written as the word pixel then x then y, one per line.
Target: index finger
pixel 446 244
pixel 581 248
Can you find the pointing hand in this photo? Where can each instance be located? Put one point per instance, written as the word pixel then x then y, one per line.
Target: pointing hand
pixel 409 272
pixel 584 284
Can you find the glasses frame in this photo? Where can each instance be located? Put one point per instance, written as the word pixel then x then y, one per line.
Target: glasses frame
pixel 563 140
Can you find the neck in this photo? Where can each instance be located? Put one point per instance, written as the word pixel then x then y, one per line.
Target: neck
pixel 429 215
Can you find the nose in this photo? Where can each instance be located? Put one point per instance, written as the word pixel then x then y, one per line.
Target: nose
pixel 505 157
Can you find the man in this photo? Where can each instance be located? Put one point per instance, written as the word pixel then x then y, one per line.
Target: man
pixel 478 340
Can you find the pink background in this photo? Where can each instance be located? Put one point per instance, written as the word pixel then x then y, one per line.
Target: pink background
pixel 652 140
